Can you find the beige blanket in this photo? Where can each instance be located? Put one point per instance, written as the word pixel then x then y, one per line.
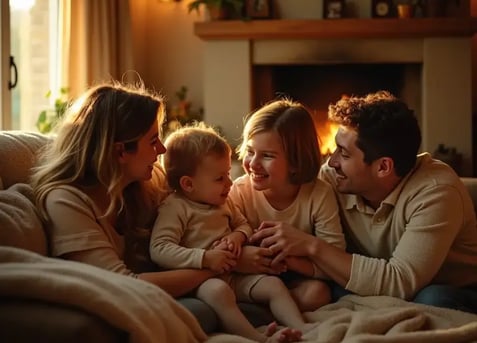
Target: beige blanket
pixel 383 319
pixel 150 315
pixel 142 309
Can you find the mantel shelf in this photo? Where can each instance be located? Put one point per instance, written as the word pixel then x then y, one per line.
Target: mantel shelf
pixel 336 28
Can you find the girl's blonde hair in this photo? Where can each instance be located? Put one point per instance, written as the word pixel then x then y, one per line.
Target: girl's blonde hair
pixel 83 152
pixel 295 126
pixel 187 147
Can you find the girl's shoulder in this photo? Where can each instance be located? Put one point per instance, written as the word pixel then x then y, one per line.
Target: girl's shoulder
pixel 242 184
pixel 317 186
pixel 242 181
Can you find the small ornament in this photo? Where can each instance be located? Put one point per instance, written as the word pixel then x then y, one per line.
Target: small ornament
pixel 382 8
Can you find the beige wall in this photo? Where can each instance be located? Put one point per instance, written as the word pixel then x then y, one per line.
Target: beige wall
pixel 166 51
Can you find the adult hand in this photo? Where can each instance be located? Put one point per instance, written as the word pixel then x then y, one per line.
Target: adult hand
pixel 257 260
pixel 283 240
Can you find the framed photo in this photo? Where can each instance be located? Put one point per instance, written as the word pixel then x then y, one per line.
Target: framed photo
pixel 333 9
pixel 258 9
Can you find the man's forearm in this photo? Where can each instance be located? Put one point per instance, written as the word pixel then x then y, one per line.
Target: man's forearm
pixel 333 261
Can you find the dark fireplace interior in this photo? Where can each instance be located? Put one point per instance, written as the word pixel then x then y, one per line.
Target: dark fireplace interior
pixel 316 86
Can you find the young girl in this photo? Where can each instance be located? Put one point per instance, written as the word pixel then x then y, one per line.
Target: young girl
pixel 281 157
pixel 199 213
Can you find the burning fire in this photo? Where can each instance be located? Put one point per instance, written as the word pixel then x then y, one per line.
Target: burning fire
pixel 326 134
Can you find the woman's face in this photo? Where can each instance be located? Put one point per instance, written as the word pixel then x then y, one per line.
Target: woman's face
pixel 138 165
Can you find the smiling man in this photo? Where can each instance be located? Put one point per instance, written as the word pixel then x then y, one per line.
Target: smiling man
pixel 408 219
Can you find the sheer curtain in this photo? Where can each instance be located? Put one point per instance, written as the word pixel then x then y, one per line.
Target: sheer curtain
pixel 95 42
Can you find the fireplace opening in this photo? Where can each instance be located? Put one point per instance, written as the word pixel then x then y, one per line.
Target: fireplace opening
pixel 316 86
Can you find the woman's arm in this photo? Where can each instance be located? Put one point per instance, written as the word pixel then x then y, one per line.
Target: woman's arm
pixel 177 282
pixel 76 235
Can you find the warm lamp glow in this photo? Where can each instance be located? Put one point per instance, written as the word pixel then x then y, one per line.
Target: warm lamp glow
pixel 326 134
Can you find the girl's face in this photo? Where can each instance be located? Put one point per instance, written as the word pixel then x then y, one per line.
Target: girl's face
pixel 211 182
pixel 265 161
pixel 138 165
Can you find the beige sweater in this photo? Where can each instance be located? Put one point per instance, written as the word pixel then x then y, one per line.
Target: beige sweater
pixel 424 232
pixel 314 210
pixel 184 230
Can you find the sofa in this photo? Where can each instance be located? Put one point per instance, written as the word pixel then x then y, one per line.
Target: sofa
pixel 26 320
pixel 23 319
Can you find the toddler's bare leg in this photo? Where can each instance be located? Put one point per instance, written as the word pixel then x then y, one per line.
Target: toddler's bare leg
pixel 218 294
pixel 273 291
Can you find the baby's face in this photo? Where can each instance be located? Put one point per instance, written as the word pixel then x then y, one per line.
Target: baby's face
pixel 211 182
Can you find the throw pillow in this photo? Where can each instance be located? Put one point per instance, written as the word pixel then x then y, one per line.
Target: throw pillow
pixel 20 224
pixel 18 154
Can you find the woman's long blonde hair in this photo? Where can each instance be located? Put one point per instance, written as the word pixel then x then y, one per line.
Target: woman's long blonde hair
pixel 83 152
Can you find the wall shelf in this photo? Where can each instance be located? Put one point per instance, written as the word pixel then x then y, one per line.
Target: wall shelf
pixel 336 28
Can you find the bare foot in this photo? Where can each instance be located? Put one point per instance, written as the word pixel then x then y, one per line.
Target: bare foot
pixel 285 335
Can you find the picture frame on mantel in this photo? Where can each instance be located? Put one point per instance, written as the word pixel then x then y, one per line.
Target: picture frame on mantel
pixel 333 9
pixel 258 9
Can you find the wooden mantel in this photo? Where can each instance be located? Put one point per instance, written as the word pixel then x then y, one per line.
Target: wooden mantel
pixel 336 28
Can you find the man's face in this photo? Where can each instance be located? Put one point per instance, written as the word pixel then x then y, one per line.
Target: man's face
pixel 353 175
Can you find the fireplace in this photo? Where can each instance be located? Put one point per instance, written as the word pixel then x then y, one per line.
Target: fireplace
pixel 427 64
pixel 316 86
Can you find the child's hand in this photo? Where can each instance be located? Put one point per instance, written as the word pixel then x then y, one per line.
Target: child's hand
pixel 220 245
pixel 234 242
pixel 219 261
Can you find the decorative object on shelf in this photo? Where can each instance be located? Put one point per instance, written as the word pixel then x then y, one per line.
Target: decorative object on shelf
pixel 181 113
pixel 333 9
pixel 258 9
pixel 47 119
pixel 405 11
pixel 219 9
pixel 382 8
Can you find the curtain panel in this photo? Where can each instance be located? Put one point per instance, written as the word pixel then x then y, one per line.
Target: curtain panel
pixel 95 43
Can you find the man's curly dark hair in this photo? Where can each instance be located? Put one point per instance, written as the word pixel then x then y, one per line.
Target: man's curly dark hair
pixel 385 127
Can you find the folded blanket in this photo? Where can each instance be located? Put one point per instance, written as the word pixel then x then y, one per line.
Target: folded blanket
pixel 143 310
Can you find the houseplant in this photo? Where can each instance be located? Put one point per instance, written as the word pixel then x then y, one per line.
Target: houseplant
pixel 181 112
pixel 219 9
pixel 48 118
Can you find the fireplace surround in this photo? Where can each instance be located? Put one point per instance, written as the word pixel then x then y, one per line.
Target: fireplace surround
pixel 430 57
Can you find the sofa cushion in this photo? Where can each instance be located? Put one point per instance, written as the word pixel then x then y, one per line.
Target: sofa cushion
pixel 17 155
pixel 20 225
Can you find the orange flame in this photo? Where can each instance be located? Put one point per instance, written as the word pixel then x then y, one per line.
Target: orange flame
pixel 326 134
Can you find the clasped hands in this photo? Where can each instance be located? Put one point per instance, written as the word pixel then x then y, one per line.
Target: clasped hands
pixel 275 243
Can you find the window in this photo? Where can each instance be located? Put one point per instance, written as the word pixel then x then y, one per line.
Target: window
pixel 32 27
